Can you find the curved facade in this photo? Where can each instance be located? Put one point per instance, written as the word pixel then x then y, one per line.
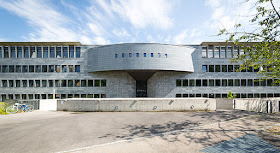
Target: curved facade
pixel 140 56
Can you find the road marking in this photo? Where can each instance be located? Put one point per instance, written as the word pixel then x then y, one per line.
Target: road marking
pixel 148 136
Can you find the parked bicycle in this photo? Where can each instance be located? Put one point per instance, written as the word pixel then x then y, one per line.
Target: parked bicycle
pixel 19 107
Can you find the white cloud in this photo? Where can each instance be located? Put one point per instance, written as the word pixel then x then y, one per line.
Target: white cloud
pixel 181 37
pixel 121 33
pixel 101 41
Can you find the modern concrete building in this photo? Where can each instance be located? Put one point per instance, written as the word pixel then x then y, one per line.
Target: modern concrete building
pixel 48 70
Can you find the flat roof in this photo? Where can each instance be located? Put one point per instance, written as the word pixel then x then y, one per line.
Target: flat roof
pixel 40 43
pixel 227 43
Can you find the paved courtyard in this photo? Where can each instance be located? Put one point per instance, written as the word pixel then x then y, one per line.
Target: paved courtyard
pixel 41 131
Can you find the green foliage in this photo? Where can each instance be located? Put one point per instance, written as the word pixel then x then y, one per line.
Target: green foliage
pixel 230 95
pixel 3 107
pixel 262 46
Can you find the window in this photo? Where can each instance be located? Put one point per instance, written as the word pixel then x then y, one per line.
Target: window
pixel 229 52
pixel 57 68
pixel 50 96
pixel 77 68
pixel 178 83
pixel 64 68
pixel 116 55
pixel 243 82
pixel 58 52
pixel 13 52
pixel 31 83
pixel 204 83
pixel 37 83
pixel 69 95
pixel 70 83
pixel 178 95
pixel 90 95
pixel 165 55
pixel 123 55
pixel 185 95
pixel 137 54
pixel 256 82
pixel 159 55
pixel 269 82
pixel 30 96
pixel 250 69
pixel 26 52
pixel 263 95
pixel 46 52
pixel 83 83
pixel 57 83
pixel 217 68
pixel 224 82
pixel 236 82
pixel 71 51
pixel 236 67
pixel 218 95
pixel 5 69
pixel 24 83
pixel 44 68
pixel 90 83
pixel 6 52
pixel 96 95
pixel 52 53
pixel 18 68
pixel 224 95
pixel 230 82
pixel 31 68
pixel 38 68
pixel 37 96
pixel 65 52
pixel 211 82
pixel 32 52
pixel 211 68
pixel 223 52
pixel 0 52
pixel 51 68
pixel 71 68
pixel 263 82
pixel 197 95
pixel 17 83
pixel 230 68
pixel 204 52
pixel 78 52
pixel 76 95
pixel 217 82
pixel 24 68
pixel 39 52
pixel 224 68
pixel 77 83
pixel 198 83
pixel 130 54
pixel 185 83
pixel 204 68
pixel 250 82
pixel 50 83
pixel 191 82
pixel 152 54
pixel 235 51
pixel 97 83
pixel 210 52
pixel 217 52
pixel 63 83
pixel 144 54
pixel 103 95
pixel 19 52
pixel 270 95
pixel 4 83
pixel 250 95
pixel 11 68
pixel 44 83
pixel 63 96
pixel 103 83
pixel 205 95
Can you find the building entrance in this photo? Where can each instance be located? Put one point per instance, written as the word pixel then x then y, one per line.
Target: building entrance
pixel 141 88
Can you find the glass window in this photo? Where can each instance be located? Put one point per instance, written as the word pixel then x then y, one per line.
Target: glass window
pixel 50 96
pixel 197 95
pixel 256 82
pixel 50 83
pixel 230 82
pixel 4 83
pixel 204 68
pixel 51 68
pixel 103 95
pixel 70 95
pixel 224 82
pixel 37 83
pixel 165 55
pixel 250 69
pixel 229 52
pixel 152 54
pixel 178 95
pixel 230 68
pixel 217 68
pixel 63 83
pixel 37 96
pixel 78 52
pixel 217 52
pixel 70 83
pixel 31 83
pixel 218 95
pixel 63 96
pixel 65 52
pixel 185 95
pixel 24 83
pixel 76 95
pixel 90 83
pixel 204 83
pixel 210 51
pixel 236 67
pixel 130 55
pixel 236 82
pixel 204 51
pixel 263 82
pixel 96 95
pixel 19 52
pixel 224 68
pixel 159 55
pixel 57 83
pixel 58 52
pixel 18 68
pixel 137 54
pixel 38 69
pixel 44 68
pixel 32 52
pixel 276 95
pixel 250 95
pixel 26 52
pixel 250 82
pixel 77 83
pixel 17 83
pixel 263 95
pixel 103 83
pixel 39 52
pixel 235 51
pixel 185 83
pixel 24 68
pixel 44 83
pixel 191 82
pixel 217 82
pixel 198 83
pixel 243 82
pixel 13 52
pixel 123 55
pixel 57 68
pixel 30 96
pixel 5 69
pixel 46 52
pixel 77 68
pixel 71 51
pixel 31 68
pixel 211 68
pixel 83 83
pixel 145 55
pixel 223 52
pixel 64 68
pixel 6 52
pixel 97 83
pixel 71 68
pixel 270 95
pixel 116 55
pixel 11 68
pixel 269 82
pixel 0 52
pixel 178 83
pixel 52 52
pixel 211 82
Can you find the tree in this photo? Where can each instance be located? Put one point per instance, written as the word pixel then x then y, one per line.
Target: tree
pixel 261 46
pixel 230 95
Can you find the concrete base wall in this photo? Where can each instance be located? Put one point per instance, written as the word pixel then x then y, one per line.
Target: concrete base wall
pixel 137 104
pixel 258 105
pixel 223 103
pixel 48 105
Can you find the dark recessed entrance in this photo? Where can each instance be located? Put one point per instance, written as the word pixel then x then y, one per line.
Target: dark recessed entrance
pixel 141 88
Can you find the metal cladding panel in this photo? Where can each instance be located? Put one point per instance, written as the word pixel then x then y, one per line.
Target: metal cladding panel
pixel 102 58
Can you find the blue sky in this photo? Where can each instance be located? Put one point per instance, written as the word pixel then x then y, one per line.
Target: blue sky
pixel 120 21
